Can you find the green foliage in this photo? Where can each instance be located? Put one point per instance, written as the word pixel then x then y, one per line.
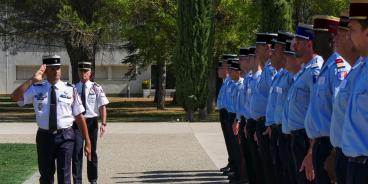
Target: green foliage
pixel 146 84
pixel 149 29
pixel 191 64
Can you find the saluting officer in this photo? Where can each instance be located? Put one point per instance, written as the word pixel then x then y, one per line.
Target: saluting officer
pixel 94 100
pixel 258 101
pixel 318 119
pixel 354 135
pixel 345 47
pixel 298 100
pixel 56 104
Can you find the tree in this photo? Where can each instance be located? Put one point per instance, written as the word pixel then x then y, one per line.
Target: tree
pixel 192 53
pixel 150 32
pixel 276 15
pixel 235 23
pixel 81 26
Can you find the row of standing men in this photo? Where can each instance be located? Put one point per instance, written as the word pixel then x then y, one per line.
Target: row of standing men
pixel 289 116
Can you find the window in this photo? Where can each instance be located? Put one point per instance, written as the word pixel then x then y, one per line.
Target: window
pixel 101 72
pixel 118 72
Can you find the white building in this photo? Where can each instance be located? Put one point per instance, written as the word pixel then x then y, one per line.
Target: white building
pixel 110 72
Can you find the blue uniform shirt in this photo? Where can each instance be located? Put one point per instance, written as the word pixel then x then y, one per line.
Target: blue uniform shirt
pixel 251 88
pixel 258 101
pixel 241 107
pixel 354 134
pixel 299 93
pixel 282 88
pixel 232 95
pixel 318 119
pixel 340 102
pixel 221 96
pixel 272 98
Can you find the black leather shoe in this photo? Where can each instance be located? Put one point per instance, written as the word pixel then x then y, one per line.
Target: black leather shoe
pixel 227 168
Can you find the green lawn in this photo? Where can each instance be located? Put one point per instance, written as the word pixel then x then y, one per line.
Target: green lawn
pixel 17 162
pixel 119 110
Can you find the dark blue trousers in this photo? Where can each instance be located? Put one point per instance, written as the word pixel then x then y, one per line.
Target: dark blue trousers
pixel 321 150
pixel 340 166
pixel 287 164
pixel 264 153
pixel 253 150
pixel 55 146
pixel 357 170
pixel 223 121
pixel 299 149
pixel 77 162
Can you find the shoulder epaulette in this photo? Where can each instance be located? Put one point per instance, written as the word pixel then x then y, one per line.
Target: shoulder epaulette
pixel 95 83
pixel 70 84
pixel 41 83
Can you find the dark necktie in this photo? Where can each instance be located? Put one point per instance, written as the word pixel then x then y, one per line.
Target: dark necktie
pixel 53 110
pixel 84 97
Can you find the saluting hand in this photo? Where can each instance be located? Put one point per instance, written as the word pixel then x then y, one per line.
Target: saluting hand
pixel 236 128
pixel 38 76
pixel 87 150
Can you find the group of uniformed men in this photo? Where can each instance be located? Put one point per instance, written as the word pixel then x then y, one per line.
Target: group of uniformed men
pixel 293 108
pixel 66 114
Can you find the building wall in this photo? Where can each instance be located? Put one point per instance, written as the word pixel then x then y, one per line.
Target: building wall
pixel 15 69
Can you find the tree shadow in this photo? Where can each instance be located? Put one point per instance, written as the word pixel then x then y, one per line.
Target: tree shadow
pixel 178 176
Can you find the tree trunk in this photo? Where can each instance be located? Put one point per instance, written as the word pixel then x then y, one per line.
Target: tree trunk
pixel 79 53
pixel 161 87
pixel 190 115
pixel 202 114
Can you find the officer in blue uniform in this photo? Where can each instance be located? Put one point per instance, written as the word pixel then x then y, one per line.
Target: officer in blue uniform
pixel 318 118
pixel 239 172
pixel 298 100
pixel 222 71
pixel 94 101
pixel 250 127
pixel 242 112
pixel 345 48
pixel 258 101
pixel 292 66
pixel 354 135
pixel 56 104
pixel 280 81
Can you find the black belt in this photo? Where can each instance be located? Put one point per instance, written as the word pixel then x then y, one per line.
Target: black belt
pixel 273 126
pixel 298 132
pixel 359 160
pixel 263 118
pixel 54 132
pixel 322 140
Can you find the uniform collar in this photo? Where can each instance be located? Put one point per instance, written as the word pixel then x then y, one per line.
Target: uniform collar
pixel 359 62
pixel 88 83
pixel 58 84
pixel 312 63
pixel 256 74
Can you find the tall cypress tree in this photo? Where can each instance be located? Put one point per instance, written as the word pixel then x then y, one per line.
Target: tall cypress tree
pixel 276 15
pixel 192 53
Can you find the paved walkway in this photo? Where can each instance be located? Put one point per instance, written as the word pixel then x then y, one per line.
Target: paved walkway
pixel 148 152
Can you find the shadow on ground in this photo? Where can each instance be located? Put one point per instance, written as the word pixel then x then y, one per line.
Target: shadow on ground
pixel 197 176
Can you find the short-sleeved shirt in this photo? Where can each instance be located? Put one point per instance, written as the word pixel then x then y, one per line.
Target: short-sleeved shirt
pixel 340 102
pixel 299 93
pixel 95 98
pixel 318 119
pixel 68 104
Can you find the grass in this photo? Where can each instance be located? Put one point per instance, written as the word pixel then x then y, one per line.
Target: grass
pixel 120 109
pixel 17 162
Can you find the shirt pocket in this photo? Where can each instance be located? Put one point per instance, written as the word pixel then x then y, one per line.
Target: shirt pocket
pixel 302 96
pixel 361 102
pixel 91 99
